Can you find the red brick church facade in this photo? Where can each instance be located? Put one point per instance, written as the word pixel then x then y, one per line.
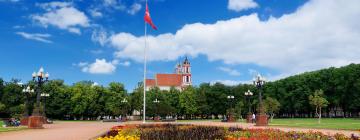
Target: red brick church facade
pixel 179 79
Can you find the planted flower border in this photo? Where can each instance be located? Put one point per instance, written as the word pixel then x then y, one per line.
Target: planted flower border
pixel 194 132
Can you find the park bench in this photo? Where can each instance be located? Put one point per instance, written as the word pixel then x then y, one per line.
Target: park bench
pixel 8 122
pixel 168 120
pixel 110 120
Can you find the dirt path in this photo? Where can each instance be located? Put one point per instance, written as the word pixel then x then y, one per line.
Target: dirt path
pixel 61 131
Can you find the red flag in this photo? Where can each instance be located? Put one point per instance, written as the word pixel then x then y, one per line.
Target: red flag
pixel 147 18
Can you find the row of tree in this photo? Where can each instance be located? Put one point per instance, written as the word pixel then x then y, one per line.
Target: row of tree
pixel 294 96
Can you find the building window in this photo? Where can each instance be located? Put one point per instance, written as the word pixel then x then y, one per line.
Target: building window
pixel 187 79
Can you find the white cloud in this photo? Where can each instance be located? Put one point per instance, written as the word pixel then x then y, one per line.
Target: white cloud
pixel 95 13
pixel 319 34
pixel 113 4
pixel 230 71
pixel 9 1
pixel 96 52
pixel 229 82
pixel 62 15
pixel 136 7
pixel 240 5
pixel 83 64
pixel 105 6
pixel 125 64
pixel 100 36
pixel 18 27
pixel 100 66
pixel 95 84
pixel 35 36
pixel 109 2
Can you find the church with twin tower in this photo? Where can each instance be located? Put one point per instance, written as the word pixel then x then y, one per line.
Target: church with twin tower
pixel 180 79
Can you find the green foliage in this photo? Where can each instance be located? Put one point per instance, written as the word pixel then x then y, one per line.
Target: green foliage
pixel 340 90
pixel 2 107
pixel 271 106
pixel 318 101
pixel 188 102
pixel 114 98
pixel 17 111
pixel 238 109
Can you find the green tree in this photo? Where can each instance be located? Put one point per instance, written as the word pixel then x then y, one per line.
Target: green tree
pixel 188 101
pixel 82 97
pixel 114 100
pixel 136 99
pixel 58 104
pixel 201 100
pixel 238 109
pixel 2 107
pixel 173 98
pixel 318 101
pixel 217 98
pixel 12 97
pixel 271 106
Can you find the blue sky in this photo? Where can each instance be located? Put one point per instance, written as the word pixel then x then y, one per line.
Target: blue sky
pixel 226 40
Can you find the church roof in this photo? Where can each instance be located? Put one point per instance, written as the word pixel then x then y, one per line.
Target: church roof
pixel 168 79
pixel 150 82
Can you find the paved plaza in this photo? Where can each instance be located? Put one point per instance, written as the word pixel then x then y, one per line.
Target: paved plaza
pixel 61 130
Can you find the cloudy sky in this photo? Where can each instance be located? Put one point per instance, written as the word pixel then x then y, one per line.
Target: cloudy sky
pixel 226 40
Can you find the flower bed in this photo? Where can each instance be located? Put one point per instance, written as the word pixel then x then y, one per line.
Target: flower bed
pixel 192 132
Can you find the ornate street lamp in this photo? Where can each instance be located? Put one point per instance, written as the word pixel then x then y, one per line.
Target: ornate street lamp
pixel 230 111
pixel 157 118
pixel 44 95
pixel 261 118
pixel 231 98
pixel 36 120
pixel 27 91
pixel 123 118
pixel 124 101
pixel 248 94
pixel 39 78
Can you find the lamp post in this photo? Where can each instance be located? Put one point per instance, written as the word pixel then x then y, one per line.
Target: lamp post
pixel 123 118
pixel 157 118
pixel 27 91
pixel 230 114
pixel 36 120
pixel 261 117
pixel 247 95
pixel 231 98
pixel 44 95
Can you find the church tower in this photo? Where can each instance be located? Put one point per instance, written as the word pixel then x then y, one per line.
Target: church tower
pixel 178 68
pixel 186 73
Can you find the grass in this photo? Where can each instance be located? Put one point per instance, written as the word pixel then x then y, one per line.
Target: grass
pixel 7 129
pixel 326 123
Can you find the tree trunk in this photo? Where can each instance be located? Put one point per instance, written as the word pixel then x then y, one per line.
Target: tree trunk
pixel 319 121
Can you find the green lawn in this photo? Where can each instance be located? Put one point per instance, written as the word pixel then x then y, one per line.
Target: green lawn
pixel 6 129
pixel 326 123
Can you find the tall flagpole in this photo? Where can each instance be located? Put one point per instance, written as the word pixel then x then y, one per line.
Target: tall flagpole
pixel 144 109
